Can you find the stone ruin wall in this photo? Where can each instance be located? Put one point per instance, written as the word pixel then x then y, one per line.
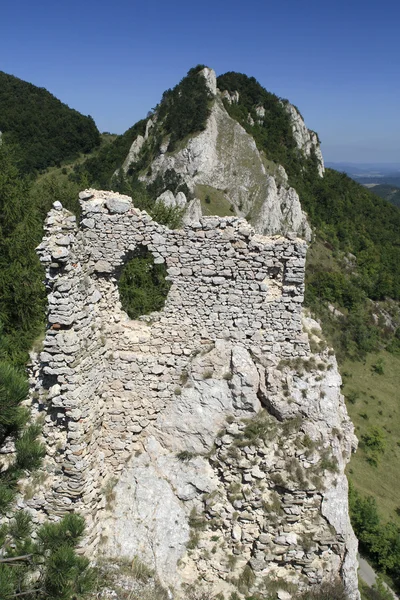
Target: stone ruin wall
pixel 122 399
pixel 102 378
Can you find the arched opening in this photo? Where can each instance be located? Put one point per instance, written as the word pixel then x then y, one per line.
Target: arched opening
pixel 143 287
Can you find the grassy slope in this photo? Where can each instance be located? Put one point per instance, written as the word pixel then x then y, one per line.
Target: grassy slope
pixel 216 203
pixel 378 404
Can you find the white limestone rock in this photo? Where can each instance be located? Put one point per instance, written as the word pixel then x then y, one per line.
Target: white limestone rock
pixel 134 152
pixel 245 381
pixel 167 198
pixel 193 213
pixel 306 140
pixel 231 98
pixel 211 79
pixel 180 200
pixel 170 201
pixel 118 205
pixel 335 510
pixel 148 521
pixel 192 422
pixel 149 127
pixel 225 157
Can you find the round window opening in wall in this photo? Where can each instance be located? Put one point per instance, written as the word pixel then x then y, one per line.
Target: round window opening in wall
pixel 143 288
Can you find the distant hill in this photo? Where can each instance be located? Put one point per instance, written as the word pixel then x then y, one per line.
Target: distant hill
pixel 381 179
pixel 369 173
pixel 45 130
pixel 389 192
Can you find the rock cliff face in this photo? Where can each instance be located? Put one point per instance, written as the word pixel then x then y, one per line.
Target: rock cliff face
pixel 207 439
pixel 224 160
pixel 306 140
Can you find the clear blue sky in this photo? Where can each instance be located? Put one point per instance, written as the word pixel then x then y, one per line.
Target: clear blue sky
pixel 338 61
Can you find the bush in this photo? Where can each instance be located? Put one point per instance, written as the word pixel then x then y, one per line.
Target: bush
pixel 142 285
pixel 380 541
pixel 332 590
pixel 374 444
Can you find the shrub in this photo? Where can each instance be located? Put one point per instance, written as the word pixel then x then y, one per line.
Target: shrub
pixel 374 444
pixel 333 590
pixel 142 284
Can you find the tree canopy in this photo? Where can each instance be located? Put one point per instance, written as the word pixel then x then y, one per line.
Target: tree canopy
pixel 45 130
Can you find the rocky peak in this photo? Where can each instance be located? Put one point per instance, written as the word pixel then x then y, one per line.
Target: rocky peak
pixel 211 79
pixel 222 167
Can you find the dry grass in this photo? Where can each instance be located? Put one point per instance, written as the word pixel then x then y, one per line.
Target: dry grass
pixel 376 402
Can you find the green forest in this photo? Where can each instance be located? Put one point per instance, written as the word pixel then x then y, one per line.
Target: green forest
pixel 389 192
pixel 46 131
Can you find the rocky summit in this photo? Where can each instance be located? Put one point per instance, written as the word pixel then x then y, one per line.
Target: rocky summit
pixel 224 160
pixel 207 440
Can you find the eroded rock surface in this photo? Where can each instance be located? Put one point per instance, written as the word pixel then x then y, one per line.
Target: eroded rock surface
pixel 306 140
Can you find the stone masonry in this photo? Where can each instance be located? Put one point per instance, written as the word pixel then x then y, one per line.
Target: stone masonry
pixel 121 398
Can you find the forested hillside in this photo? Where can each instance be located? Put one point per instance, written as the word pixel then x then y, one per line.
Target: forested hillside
pixel 46 131
pixel 388 192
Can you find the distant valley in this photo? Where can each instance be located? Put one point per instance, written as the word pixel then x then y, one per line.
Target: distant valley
pixel 383 179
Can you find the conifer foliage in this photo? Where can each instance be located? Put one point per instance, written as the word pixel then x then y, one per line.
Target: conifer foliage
pixel 185 107
pixel 21 290
pixel 47 567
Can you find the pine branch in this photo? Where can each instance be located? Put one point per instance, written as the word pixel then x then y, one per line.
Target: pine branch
pixel 25 557
pixel 27 592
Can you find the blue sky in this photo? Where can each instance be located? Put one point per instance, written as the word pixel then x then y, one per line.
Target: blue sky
pixel 338 61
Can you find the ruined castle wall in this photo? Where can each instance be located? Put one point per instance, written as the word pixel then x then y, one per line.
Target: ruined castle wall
pixel 102 378
pixel 145 420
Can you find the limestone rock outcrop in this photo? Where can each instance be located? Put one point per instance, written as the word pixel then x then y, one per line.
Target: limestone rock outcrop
pixel 205 439
pixel 306 140
pixel 224 158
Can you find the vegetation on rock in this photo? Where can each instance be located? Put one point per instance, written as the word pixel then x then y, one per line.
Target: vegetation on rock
pixel 185 109
pixel 99 169
pixel 182 111
pixel 273 133
pixel 142 285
